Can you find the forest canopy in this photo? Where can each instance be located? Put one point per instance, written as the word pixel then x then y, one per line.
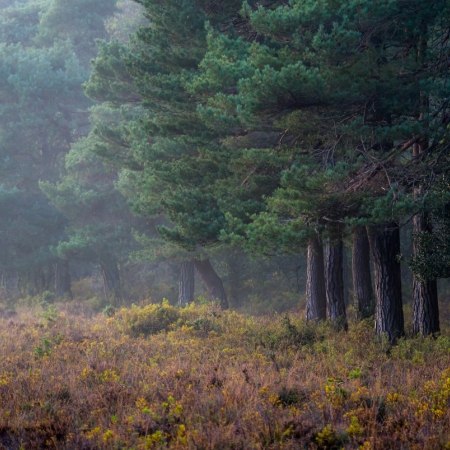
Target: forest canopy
pixel 247 144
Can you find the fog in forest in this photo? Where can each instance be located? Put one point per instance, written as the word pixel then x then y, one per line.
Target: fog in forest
pixel 220 218
pixel 70 226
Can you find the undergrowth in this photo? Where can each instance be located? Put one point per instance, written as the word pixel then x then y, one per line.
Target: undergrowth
pixel 158 376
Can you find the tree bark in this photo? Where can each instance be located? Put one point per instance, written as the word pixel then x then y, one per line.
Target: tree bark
pixel 10 284
pixel 334 281
pixel 384 243
pixel 316 302
pixel 111 281
pixel 235 261
pixel 425 297
pixel 62 279
pixel 40 280
pixel 212 281
pixel 186 283
pixel 362 280
pixel 346 273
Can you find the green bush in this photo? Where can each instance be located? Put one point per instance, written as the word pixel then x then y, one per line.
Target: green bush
pixel 148 319
pixel 285 334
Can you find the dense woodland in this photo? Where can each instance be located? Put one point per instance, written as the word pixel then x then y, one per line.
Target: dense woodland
pixel 151 143
pixel 235 157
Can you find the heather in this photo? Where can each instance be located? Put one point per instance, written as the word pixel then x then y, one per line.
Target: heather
pixel 158 376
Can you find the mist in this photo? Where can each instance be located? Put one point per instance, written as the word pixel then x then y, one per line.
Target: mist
pixel 224 225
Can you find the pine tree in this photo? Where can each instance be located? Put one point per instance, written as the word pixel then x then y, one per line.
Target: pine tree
pixel 329 74
pixel 100 225
pixel 170 163
pixel 43 110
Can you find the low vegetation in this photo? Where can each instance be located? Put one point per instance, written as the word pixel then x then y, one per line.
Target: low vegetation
pixel 156 376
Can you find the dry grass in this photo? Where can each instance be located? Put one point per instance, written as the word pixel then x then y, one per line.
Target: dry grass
pixel 159 377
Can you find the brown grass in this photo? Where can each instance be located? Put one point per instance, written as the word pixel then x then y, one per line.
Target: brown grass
pixel 207 379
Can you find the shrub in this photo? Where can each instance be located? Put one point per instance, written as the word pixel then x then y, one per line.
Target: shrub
pixel 285 334
pixel 148 319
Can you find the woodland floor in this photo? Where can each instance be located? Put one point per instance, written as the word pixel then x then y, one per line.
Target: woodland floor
pixel 161 377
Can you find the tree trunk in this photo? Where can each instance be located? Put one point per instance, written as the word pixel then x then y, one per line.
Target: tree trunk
pixel 346 273
pixel 334 281
pixel 212 281
pixel 236 269
pixel 425 297
pixel 316 302
pixel 425 307
pixel 62 279
pixel 186 283
pixel 111 281
pixel 384 243
pixel 362 280
pixel 40 280
pixel 10 284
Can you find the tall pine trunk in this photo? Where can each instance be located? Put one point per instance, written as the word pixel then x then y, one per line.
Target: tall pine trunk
pixel 316 302
pixel 62 279
pixel 40 279
pixel 212 281
pixel 425 307
pixel 334 280
pixel 10 284
pixel 186 283
pixel 111 280
pixel 236 268
pixel 362 280
pixel 385 248
pixel 425 296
